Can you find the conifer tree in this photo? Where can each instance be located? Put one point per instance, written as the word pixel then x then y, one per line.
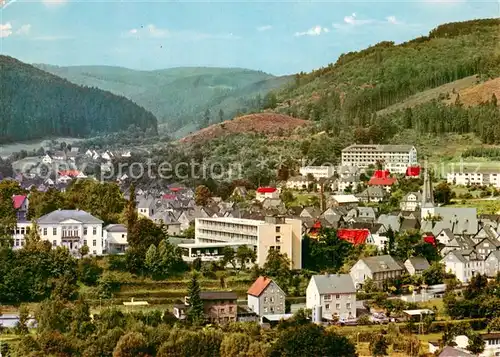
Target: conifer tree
pixel 195 312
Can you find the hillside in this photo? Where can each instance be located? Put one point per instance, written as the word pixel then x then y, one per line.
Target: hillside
pixel 36 104
pixel 365 94
pixel 269 124
pixel 178 96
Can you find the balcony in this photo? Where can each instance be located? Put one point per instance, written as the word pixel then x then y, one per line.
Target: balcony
pixel 69 237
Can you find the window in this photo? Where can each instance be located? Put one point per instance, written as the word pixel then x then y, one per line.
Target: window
pixel 54 231
pixel 54 243
pixel 337 306
pixel 17 242
pixel 22 230
pixel 84 242
pixel 327 306
pixel 278 248
pixel 45 231
pixel 230 309
pixel 94 231
pixel 265 309
pixel 271 248
pixel 222 310
pixel 278 229
pixel 278 239
pixel 348 305
pixel 84 231
pixel 94 243
pixel 272 299
pixel 328 297
pixel 265 299
pixel 94 252
pixel 337 296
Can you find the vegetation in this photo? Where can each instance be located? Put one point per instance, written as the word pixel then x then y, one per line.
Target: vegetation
pixel 36 104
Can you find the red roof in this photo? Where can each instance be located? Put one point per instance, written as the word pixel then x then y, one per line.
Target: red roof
pixel 413 171
pixel 176 189
pixel 18 200
pixel 70 173
pixel 169 196
pixel 266 189
pixel 382 181
pixel 430 239
pixel 354 236
pixel 259 286
pixel 381 174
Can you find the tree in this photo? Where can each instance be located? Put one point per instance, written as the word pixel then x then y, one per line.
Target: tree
pixel 325 252
pixel 221 115
pixel 244 254
pixel 443 193
pixel 195 313
pixel 131 210
pixel 310 340
pixel 379 346
pixel 132 344
pixel 494 324
pixel 202 195
pixel 22 325
pixel 476 343
pixel 235 344
pixel 228 256
pixel 434 274
pixel 89 271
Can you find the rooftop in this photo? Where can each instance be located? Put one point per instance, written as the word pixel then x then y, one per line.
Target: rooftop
pixel 63 215
pixel 381 148
pixel 259 286
pixel 218 295
pixel 334 283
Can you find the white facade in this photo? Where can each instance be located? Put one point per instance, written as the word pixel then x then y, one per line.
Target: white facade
pixel 396 167
pixel 274 233
pixel 72 229
pixel 318 172
pixel 262 193
pixel 115 238
pixel 474 178
pixel 463 267
pixel 411 201
pixel 397 156
pixel 335 294
pixel 18 236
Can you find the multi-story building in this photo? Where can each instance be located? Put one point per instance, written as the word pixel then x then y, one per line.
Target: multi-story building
pixel 467 177
pixel 464 263
pixel 220 306
pixel 265 297
pixel 334 293
pixel 273 233
pixel 266 192
pixel 72 229
pixel 363 156
pixel 318 172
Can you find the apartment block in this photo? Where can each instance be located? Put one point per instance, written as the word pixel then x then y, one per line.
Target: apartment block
pixel 397 157
pixel 273 233
pixel 466 177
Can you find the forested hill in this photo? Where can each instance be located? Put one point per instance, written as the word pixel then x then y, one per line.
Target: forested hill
pixel 189 97
pixel 346 96
pixel 35 104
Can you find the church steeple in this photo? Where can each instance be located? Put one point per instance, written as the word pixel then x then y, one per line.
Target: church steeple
pixel 427 194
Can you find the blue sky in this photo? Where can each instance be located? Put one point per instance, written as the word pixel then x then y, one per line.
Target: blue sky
pixel 279 37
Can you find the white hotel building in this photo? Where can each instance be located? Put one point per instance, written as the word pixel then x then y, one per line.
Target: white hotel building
pixel 470 177
pixel 273 233
pixel 395 158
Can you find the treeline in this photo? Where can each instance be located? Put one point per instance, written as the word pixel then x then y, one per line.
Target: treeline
pixel 492 153
pixel 36 104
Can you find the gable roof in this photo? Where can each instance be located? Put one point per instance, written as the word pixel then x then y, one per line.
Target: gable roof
pixel 259 286
pixel 449 351
pixel 344 198
pixel 382 181
pixel 419 263
pixel 18 200
pixel 354 236
pixel 116 228
pixel 382 263
pixel 334 283
pixel 266 189
pixel 218 295
pixel 63 215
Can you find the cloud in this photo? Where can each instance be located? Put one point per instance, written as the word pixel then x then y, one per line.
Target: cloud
pixel 353 20
pixel 24 30
pixel 152 31
pixel 54 2
pixel 264 28
pixel 5 30
pixel 392 20
pixel 313 31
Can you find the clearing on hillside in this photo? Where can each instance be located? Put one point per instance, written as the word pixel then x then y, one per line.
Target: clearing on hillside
pixel 265 123
pixel 479 93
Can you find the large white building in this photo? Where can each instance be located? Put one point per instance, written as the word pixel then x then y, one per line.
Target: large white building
pixel 273 233
pixel 72 229
pixel 318 172
pixel 397 157
pixel 469 177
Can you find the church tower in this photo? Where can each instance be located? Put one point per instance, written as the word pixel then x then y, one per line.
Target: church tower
pixel 427 207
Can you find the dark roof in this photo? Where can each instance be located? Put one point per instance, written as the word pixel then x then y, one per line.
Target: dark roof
pixel 218 295
pixel 333 283
pixel 454 352
pixel 419 263
pixel 62 215
pixel 382 263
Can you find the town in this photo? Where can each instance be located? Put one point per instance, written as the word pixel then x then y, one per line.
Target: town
pixel 343 258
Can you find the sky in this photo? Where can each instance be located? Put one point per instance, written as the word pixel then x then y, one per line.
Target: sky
pixel 278 37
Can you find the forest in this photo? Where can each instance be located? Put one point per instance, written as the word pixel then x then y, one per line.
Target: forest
pixel 36 104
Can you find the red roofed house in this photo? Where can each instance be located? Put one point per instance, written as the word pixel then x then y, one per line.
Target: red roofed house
pixel 266 192
pixel 413 171
pixel 20 203
pixel 265 297
pixel 382 178
pixel 355 236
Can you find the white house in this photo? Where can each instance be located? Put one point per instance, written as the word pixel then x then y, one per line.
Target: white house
pixel 298 183
pixel 318 172
pixel 411 201
pixel 463 263
pixel 378 268
pixel 72 229
pixel 115 238
pixel 471 177
pixel 146 206
pixel 335 294
pixel 492 264
pixel 416 265
pixel 266 192
pixel 47 159
pixel 265 297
